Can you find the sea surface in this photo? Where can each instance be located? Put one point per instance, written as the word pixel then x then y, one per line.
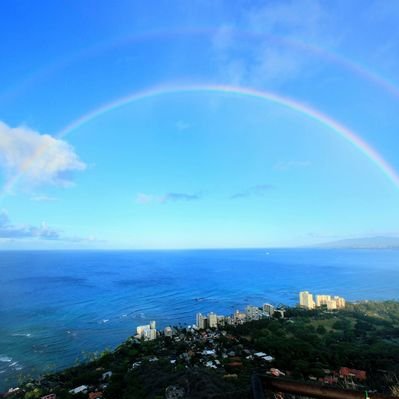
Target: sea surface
pixel 56 307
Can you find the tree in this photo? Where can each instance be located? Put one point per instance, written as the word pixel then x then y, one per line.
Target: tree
pixel 321 330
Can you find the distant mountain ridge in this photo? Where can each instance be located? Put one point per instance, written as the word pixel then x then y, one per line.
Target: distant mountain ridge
pixel 366 242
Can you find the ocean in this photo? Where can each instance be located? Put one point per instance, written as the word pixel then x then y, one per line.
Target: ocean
pixel 56 307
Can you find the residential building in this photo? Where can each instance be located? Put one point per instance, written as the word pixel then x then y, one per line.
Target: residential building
pixel 306 300
pixel 79 389
pixel 252 312
pixel 322 300
pixel 212 320
pixel 239 317
pixel 268 309
pixel 150 334
pixel 140 330
pixel 345 372
pixel 331 303
pixel 148 331
pixel 340 302
pixel 201 321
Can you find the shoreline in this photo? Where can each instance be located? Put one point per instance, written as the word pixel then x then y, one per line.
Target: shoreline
pixel 186 332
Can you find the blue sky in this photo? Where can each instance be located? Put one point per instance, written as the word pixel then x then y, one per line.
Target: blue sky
pixel 196 169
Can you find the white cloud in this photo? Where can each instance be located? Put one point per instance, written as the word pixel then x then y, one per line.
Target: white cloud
pixel 40 159
pixel 272 49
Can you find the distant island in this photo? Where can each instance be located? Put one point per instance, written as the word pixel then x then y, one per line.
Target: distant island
pixel 379 242
pixel 324 343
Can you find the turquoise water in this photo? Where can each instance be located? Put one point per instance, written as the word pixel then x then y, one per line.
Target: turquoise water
pixel 54 305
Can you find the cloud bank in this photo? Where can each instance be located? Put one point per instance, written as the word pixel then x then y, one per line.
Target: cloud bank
pixel 11 231
pixel 40 159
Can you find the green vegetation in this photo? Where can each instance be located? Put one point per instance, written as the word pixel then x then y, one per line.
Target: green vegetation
pixel 305 345
pixel 364 336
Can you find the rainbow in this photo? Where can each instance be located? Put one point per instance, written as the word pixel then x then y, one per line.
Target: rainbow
pixel 356 68
pixel 310 112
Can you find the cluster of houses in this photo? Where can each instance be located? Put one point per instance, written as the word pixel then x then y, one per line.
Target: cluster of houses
pixel 93 392
pixel 149 332
pixel 349 377
pixel 212 320
pixel 211 348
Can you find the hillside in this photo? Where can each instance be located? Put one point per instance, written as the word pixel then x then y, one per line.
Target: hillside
pixel 315 345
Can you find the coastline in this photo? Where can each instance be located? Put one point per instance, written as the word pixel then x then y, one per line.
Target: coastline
pixel 51 315
pixel 220 353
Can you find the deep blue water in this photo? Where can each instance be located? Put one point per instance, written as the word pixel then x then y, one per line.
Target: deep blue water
pixel 54 305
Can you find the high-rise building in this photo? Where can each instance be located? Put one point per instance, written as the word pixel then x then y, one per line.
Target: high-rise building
pixel 252 312
pixel 150 334
pixel 340 302
pixel 306 300
pixel 148 331
pixel 212 320
pixel 268 309
pixel 201 321
pixel 239 317
pixel 330 302
pixel 322 300
pixel 140 329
